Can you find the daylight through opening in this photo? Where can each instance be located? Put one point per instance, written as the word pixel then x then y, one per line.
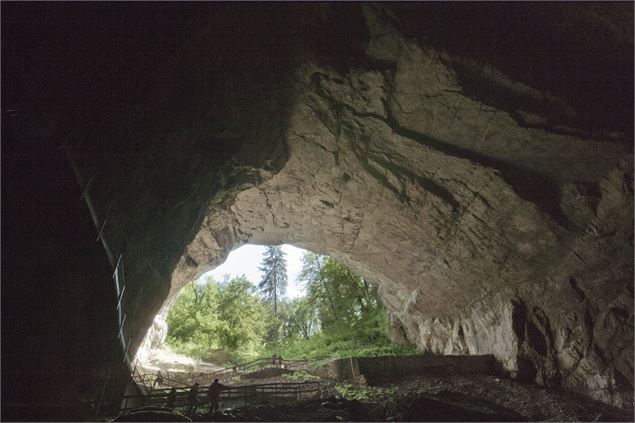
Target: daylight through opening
pixel 264 301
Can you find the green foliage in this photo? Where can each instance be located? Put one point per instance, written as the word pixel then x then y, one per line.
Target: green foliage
pixel 360 393
pixel 299 319
pixel 213 316
pixel 334 346
pixel 299 376
pixel 340 316
pixel 344 301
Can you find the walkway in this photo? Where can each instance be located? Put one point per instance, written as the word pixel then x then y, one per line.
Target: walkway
pixel 153 393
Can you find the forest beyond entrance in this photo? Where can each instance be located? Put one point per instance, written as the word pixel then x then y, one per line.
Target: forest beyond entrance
pixel 235 319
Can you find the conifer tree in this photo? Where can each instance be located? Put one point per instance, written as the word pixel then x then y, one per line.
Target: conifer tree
pixel 273 285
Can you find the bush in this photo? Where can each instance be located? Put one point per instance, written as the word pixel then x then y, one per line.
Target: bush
pixel 359 393
pixel 299 376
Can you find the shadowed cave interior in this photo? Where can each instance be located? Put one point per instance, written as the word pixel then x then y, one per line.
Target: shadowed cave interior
pixel 474 162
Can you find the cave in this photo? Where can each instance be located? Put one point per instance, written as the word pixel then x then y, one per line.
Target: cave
pixel 474 161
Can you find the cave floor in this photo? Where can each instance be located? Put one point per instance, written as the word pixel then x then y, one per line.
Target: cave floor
pixel 533 402
pixel 442 398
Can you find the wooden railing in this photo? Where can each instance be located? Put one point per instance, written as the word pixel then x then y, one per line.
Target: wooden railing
pixel 148 380
pixel 263 363
pixel 147 377
pixel 263 393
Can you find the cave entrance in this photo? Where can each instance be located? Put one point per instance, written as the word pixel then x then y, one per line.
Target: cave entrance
pixel 267 300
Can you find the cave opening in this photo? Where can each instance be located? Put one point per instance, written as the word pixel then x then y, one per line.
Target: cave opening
pixel 479 175
pixel 262 301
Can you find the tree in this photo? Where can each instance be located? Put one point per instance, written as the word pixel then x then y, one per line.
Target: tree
pixel 340 312
pixel 273 285
pixel 209 316
pixel 300 319
pixel 346 304
pixel 314 281
pixel 193 319
pixel 242 314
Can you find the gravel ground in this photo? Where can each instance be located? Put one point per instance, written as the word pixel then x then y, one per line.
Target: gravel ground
pixel 165 359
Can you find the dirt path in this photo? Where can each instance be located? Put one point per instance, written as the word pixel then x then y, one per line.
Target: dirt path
pixel 165 359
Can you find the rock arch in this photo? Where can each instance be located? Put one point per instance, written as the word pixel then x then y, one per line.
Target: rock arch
pixel 474 161
pixel 447 205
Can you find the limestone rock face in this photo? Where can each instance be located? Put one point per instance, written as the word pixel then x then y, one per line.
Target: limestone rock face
pixel 486 231
pixel 473 161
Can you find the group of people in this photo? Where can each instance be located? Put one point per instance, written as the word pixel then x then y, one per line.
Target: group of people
pixel 213 394
pixel 277 359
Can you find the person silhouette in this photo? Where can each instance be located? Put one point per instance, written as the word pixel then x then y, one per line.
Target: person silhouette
pixel 192 400
pixel 213 394
pixel 159 380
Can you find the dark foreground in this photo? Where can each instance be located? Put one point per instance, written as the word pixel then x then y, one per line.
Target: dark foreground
pixel 409 408
pixel 484 398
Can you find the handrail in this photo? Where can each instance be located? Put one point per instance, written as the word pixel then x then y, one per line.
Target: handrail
pixel 117 264
pixel 251 364
pixel 245 393
pixel 148 377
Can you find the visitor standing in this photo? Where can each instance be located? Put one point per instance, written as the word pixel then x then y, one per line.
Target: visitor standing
pixel 159 380
pixel 213 394
pixel 192 400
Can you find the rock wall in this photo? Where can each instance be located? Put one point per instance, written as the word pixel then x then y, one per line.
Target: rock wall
pixel 155 336
pixel 342 370
pixel 473 161
pixel 486 233
pixel 380 370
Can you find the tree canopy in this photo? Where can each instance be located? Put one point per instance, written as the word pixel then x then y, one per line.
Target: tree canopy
pixel 217 316
pixel 340 314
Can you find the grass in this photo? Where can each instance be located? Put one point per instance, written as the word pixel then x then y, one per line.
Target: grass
pixel 299 376
pixel 318 346
pixel 356 392
pixel 324 346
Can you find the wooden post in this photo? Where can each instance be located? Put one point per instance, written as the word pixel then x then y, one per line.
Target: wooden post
pixel 354 369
